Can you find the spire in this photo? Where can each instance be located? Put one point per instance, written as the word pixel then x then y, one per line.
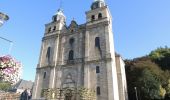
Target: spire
pixel 60 10
pixel 61 4
pixel 59 15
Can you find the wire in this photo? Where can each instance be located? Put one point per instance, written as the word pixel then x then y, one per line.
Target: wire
pixel 6 39
pixel 11 44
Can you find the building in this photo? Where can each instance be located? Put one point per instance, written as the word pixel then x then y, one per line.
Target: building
pixel 22 85
pixel 78 62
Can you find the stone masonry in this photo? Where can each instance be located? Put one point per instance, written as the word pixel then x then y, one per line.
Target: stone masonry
pixel 77 60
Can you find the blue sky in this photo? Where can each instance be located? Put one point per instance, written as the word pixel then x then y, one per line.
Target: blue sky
pixel 139 26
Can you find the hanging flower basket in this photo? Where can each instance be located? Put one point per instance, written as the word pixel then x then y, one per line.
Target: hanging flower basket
pixel 10 69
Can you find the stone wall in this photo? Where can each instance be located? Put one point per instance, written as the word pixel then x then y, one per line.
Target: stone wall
pixel 9 96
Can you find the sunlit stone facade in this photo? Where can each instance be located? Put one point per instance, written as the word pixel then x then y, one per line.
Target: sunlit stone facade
pixel 78 62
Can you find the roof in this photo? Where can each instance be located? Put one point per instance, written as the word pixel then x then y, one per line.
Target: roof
pixel 99 0
pixel 60 12
pixel 23 84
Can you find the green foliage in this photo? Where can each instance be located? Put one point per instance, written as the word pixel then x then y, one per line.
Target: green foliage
pixel 168 88
pixel 5 86
pixel 150 74
pixel 161 56
pixel 146 76
pixel 150 85
pixel 162 92
pixel 159 53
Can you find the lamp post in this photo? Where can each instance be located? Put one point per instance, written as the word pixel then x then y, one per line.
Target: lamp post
pixel 136 93
pixel 3 19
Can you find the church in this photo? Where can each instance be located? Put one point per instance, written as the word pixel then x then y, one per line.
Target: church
pixel 78 62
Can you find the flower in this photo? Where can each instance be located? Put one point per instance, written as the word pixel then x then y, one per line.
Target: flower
pixel 10 69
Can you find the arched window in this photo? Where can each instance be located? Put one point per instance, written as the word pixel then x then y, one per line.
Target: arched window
pixel 98 90
pixel 49 29
pixel 71 55
pixel 72 31
pixel 97 42
pixel 54 28
pixel 44 76
pixel 97 69
pixel 71 41
pixel 92 17
pixel 99 15
pixel 48 54
pixel 55 18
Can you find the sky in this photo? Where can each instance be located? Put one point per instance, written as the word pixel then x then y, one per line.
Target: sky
pixel 139 26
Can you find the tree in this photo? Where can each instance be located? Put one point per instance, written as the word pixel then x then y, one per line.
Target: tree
pixel 5 86
pixel 162 92
pixel 149 79
pixel 161 56
pixel 150 87
pixel 10 69
pixel 168 89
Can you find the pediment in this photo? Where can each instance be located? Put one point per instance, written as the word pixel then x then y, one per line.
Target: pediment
pixel 73 26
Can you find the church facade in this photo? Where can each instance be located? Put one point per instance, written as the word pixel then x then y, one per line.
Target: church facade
pixel 78 62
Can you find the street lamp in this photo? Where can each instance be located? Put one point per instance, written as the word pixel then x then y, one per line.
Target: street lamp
pixel 136 93
pixel 3 18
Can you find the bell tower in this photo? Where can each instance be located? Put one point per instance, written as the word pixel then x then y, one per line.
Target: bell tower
pixel 100 53
pixel 48 59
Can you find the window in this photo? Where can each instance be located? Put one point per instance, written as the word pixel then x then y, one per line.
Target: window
pixel 48 54
pixel 97 42
pixel 55 18
pixel 71 55
pixel 44 76
pixel 54 28
pixel 72 31
pixel 98 90
pixel 67 97
pixel 49 30
pixel 95 5
pixel 71 41
pixel 99 15
pixel 92 17
pixel 97 69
